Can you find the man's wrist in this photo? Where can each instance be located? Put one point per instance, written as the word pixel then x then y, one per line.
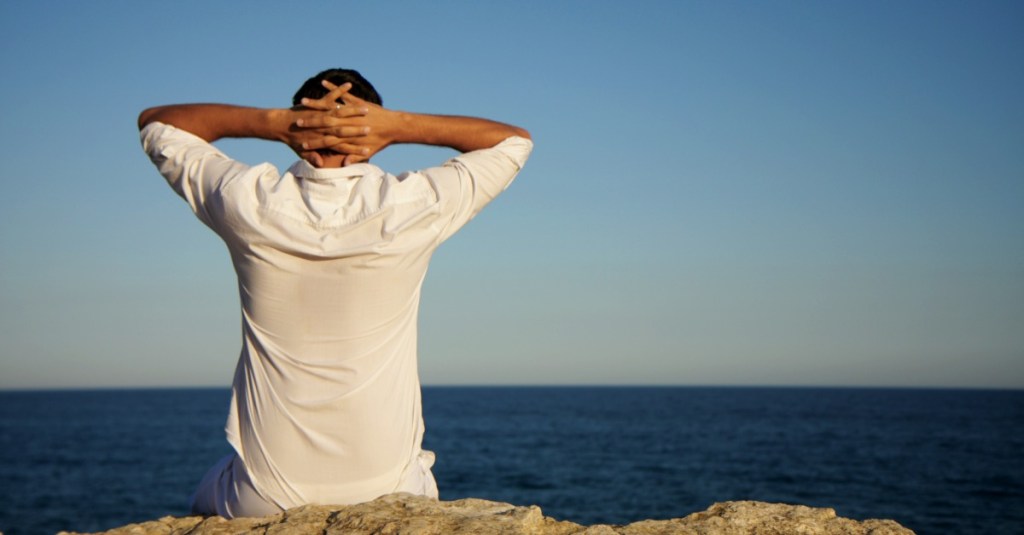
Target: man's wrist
pixel 396 128
pixel 278 123
pixel 416 128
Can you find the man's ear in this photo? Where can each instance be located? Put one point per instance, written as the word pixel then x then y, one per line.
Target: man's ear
pixel 313 157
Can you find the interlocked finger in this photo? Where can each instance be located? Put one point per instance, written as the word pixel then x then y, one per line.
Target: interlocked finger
pixel 329 101
pixel 352 150
pixel 345 111
pixel 348 98
pixel 336 144
pixel 348 131
pixel 338 118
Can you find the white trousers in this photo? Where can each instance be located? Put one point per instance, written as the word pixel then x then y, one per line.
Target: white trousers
pixel 227 491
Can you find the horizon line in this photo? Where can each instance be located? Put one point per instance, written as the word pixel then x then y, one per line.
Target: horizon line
pixel 113 388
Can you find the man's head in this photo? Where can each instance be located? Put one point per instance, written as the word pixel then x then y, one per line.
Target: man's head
pixel 314 89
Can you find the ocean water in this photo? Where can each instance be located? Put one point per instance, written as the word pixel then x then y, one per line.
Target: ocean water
pixel 937 461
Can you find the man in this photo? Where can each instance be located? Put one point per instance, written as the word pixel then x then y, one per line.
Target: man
pixel 330 258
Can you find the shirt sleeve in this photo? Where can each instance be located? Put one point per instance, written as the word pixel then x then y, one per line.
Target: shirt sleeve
pixel 466 183
pixel 194 168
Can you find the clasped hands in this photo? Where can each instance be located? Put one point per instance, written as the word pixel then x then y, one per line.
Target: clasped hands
pixel 322 127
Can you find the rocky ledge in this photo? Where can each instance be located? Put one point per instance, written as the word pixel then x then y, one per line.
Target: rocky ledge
pixel 407 514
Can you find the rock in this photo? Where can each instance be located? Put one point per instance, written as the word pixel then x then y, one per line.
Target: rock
pixel 407 514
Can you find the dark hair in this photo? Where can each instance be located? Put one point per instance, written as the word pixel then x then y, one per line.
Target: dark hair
pixel 313 89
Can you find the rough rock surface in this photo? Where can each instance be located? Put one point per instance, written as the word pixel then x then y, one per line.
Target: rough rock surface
pixel 407 514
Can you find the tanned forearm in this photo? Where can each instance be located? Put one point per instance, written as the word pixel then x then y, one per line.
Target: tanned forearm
pixel 463 134
pixel 216 121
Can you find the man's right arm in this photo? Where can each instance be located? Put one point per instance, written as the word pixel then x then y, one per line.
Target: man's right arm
pixel 212 122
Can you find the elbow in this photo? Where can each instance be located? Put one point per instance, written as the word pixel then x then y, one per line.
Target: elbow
pixel 521 132
pixel 147 116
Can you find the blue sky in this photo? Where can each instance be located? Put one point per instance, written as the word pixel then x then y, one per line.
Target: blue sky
pixel 780 193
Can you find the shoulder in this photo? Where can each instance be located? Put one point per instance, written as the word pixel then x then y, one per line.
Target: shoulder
pixel 156 134
pixel 168 145
pixel 514 150
pixel 487 171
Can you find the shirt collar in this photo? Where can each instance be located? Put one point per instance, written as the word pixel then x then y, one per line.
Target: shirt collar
pixel 304 169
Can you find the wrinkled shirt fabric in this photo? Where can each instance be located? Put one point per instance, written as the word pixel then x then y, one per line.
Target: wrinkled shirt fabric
pixel 325 404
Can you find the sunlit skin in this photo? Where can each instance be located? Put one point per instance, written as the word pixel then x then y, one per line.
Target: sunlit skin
pixel 328 134
pixel 354 132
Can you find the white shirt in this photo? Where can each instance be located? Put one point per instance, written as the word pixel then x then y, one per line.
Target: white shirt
pixel 326 397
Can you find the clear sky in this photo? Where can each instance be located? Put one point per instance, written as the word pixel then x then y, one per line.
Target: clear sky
pixel 776 193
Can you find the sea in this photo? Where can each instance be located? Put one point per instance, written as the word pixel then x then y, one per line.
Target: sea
pixel 936 461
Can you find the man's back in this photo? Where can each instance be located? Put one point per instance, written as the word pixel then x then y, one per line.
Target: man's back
pixel 330 262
